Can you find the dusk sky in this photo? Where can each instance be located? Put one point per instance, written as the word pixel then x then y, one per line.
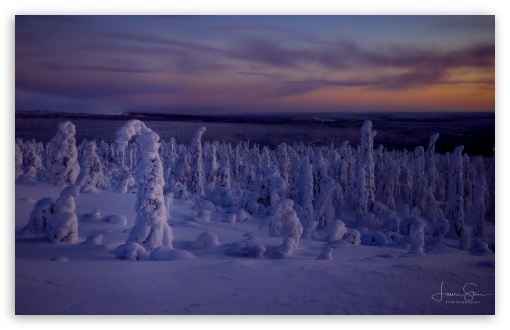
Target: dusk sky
pixel 237 64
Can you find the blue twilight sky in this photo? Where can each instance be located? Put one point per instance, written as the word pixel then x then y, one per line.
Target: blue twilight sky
pixel 236 64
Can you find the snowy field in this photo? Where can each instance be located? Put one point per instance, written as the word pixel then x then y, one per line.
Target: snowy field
pixel 151 226
pixel 359 280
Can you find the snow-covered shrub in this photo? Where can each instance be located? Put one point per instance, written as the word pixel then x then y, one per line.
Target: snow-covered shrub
pixel 40 217
pixel 62 163
pixel 63 226
pixel 284 222
pixel 417 236
pixel 131 251
pixel 94 216
pixel 352 236
pixel 376 238
pixel 116 219
pixel 151 228
pixel 205 206
pixel 336 230
pixel 205 240
pixel 242 215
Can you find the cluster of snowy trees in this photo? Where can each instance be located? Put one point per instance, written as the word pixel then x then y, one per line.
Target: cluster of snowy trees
pixel 356 193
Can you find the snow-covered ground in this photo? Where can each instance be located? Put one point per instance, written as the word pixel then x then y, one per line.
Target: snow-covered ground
pixel 86 278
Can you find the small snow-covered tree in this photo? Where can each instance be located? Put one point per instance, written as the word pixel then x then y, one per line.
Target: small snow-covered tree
pixel 62 163
pixel 91 170
pixel 151 229
pixel 33 166
pixel 285 222
pixel 40 218
pixel 63 225
pixel 272 188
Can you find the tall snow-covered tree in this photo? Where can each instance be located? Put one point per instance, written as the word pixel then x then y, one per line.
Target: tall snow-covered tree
pixel 197 163
pixel 479 208
pixel 455 207
pixel 151 229
pixel 62 163
pixel 91 170
pixel 304 197
pixel 366 158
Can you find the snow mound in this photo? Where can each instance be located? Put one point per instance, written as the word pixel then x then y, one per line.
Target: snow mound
pixel 205 240
pixel 116 219
pixel 376 238
pixel 326 254
pixel 336 231
pixel 60 258
pixel 165 253
pixel 131 251
pixel 94 216
pixel 204 215
pixel 94 239
pixel 205 206
pixel 480 247
pixel 352 236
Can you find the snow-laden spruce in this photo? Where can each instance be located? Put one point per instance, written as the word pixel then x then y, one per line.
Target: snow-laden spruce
pixel 63 224
pixel 62 162
pixel 91 169
pixel 151 229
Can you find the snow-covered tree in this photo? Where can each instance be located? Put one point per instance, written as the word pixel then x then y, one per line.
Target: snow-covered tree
pixel 272 188
pixel 285 222
pixel 479 202
pixel 212 165
pixel 304 197
pixel 366 158
pixel 18 161
pixel 62 163
pixel 197 163
pixel 63 224
pixel 151 229
pixel 455 207
pixel 40 218
pixel 32 164
pixel 91 170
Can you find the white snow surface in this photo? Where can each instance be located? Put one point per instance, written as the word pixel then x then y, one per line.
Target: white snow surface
pixel 359 279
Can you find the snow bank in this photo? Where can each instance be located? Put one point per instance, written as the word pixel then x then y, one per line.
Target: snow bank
pixel 165 253
pixel 205 240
